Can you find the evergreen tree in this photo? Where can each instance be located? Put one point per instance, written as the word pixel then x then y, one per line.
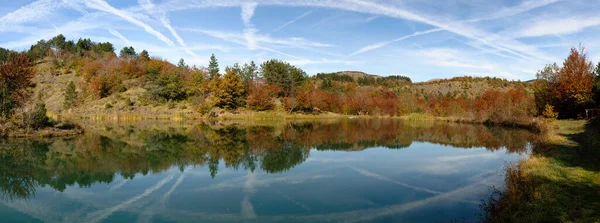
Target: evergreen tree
pixel 144 55
pixel 70 95
pixel 213 67
pixel 283 74
pixel 249 71
pixel 84 45
pixel 58 42
pixel 106 47
pixel 181 63
pixel 127 52
pixel 4 55
pixel 38 118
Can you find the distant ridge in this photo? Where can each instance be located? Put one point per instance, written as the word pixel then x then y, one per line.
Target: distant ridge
pixel 357 74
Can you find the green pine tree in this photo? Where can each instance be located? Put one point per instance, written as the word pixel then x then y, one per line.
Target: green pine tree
pixel 70 95
pixel 213 67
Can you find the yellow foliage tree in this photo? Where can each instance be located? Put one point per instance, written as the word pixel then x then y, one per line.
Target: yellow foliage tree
pixel 229 91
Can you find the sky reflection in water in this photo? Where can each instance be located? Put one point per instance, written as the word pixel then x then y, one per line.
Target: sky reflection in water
pixel 350 170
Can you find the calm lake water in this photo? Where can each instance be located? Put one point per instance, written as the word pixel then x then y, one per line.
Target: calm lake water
pixel 331 171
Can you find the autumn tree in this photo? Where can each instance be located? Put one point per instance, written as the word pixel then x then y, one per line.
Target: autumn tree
pixel 283 74
pixel 260 97
pixel 15 78
pixel 569 88
pixel 213 67
pixel 230 92
pixel 70 95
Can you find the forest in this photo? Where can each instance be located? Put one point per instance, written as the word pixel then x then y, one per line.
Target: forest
pixel 94 75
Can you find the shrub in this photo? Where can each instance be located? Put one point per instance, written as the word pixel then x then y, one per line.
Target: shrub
pixel 166 87
pixel 549 114
pixel 70 95
pixel 260 98
pixel 37 117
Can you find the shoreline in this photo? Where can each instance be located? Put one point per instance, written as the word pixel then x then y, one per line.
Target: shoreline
pixel 559 181
pixel 534 125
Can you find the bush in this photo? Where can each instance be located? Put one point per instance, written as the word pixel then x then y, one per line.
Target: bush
pixel 549 114
pixel 70 95
pixel 260 98
pixel 166 87
pixel 37 117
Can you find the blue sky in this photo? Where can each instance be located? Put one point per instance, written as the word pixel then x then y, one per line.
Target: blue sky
pixel 422 39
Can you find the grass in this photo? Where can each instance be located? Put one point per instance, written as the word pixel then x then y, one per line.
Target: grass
pixel 559 182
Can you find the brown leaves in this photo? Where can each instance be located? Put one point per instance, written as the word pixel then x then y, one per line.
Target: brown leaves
pixel 15 78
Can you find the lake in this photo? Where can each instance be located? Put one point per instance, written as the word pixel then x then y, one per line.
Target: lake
pixel 377 170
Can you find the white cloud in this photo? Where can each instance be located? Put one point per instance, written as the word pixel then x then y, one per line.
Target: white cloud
pixel 446 57
pixel 525 6
pixel 247 12
pixel 37 11
pixel 105 7
pixel 241 38
pixel 34 11
pixel 146 4
pixel 249 32
pixel 555 26
pixel 458 27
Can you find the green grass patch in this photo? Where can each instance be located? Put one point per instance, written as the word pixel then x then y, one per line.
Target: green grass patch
pixel 560 182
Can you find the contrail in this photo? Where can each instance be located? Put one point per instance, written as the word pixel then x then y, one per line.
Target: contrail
pixel 102 214
pixel 383 178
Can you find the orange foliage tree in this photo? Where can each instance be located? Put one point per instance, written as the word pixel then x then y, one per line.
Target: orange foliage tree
pixel 569 88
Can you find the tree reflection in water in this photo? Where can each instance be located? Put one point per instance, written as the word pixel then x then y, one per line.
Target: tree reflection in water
pixel 103 153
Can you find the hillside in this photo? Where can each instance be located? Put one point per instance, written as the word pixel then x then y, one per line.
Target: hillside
pixel 87 79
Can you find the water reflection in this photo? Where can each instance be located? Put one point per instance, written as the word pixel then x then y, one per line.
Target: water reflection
pixel 115 155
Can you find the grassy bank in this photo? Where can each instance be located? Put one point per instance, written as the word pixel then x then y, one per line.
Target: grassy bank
pixel 62 130
pixel 560 182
